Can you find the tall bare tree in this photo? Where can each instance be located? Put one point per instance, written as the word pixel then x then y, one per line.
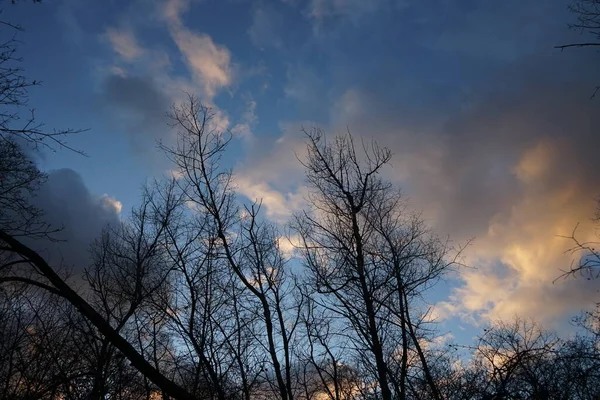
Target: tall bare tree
pixel 247 244
pixel 368 258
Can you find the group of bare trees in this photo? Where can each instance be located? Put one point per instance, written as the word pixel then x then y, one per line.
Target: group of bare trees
pixel 194 296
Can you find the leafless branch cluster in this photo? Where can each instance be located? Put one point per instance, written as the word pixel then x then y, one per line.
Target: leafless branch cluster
pixel 194 297
pixel 587 13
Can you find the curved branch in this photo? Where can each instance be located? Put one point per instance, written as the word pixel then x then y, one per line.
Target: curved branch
pixel 32 283
pixel 564 46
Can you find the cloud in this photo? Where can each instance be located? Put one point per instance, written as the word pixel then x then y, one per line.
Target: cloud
pixel 140 106
pixel 303 84
pixel 208 62
pixel 265 153
pixel 267 27
pixel 172 10
pixel 350 105
pixel 142 83
pixel 501 148
pixel 124 43
pixel 111 203
pixel 514 170
pixel 68 203
pixel 474 30
pixel 272 172
pixel 554 192
pixel 319 9
pixel 249 119
pixel 66 13
pixel 511 163
pixel 289 245
pixel 276 204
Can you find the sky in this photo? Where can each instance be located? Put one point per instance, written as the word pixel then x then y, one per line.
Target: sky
pixel 493 131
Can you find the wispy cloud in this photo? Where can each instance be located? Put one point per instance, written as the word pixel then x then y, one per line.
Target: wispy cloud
pixel 267 27
pixel 320 9
pixel 248 120
pixel 68 203
pixel 124 43
pixel 273 173
pixel 208 62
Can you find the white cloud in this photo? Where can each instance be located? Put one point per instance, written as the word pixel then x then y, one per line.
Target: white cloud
pixel 111 204
pixel 172 10
pixel 249 119
pixel 209 63
pixel 242 130
pixel 272 173
pixel 124 43
pixel 250 114
pixel 175 173
pixel 348 107
pixel 289 245
pixel 278 205
pixel 220 119
pixel 527 246
pixel 209 66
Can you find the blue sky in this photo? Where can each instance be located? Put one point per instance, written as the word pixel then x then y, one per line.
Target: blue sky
pixel 492 128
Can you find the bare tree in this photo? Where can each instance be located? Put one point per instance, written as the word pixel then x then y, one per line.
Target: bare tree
pixel 21 135
pixel 201 300
pixel 19 180
pixel 521 360
pixel 327 368
pixel 367 258
pixel 248 245
pixel 513 354
pixel 18 254
pixel 129 265
pixel 38 356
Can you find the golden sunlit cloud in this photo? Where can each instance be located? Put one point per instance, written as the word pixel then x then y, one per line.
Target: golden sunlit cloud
pixel 111 203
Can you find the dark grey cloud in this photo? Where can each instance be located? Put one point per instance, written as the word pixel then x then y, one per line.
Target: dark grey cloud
pixel 486 90
pixel 491 30
pixel 495 137
pixel 138 106
pixel 68 204
pixel 514 168
pixel 514 164
pixel 482 145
